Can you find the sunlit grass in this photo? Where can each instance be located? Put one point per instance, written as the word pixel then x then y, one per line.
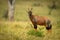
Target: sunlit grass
pixel 22 29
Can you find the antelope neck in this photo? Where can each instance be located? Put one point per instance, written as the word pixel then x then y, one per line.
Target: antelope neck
pixel 30 16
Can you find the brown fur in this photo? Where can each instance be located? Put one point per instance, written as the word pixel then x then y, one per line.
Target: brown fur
pixel 39 20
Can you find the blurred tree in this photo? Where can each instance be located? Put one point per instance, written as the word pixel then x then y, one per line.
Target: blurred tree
pixel 11 4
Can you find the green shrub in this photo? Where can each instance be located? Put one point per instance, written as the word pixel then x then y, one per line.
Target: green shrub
pixel 36 33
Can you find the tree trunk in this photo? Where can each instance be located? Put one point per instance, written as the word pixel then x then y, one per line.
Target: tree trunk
pixel 11 7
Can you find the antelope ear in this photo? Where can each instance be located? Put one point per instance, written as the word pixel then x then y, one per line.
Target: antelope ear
pixel 31 8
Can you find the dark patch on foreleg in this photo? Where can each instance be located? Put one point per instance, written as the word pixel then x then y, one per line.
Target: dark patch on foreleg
pixel 35 26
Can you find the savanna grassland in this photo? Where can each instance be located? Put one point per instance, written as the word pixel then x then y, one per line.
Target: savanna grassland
pixel 21 28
